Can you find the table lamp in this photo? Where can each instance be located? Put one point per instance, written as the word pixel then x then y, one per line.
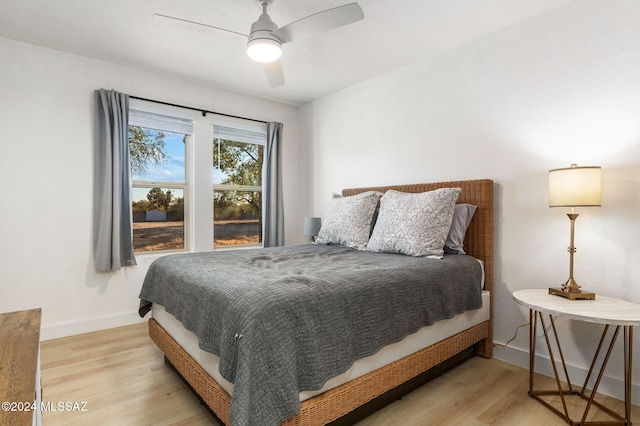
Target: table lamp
pixel 311 228
pixel 574 187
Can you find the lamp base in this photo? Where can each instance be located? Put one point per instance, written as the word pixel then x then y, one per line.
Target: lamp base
pixel 558 291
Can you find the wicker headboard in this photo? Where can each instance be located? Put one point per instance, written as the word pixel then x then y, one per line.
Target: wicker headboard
pixel 479 239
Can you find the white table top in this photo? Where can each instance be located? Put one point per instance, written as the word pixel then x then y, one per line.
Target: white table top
pixel 602 310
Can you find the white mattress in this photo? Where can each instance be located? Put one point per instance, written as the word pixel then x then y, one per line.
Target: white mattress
pixel 423 338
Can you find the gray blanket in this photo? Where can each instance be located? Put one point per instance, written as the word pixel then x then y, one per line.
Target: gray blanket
pixel 287 319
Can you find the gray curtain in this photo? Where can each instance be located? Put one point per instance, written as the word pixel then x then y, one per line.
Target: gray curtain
pixel 113 240
pixel 273 228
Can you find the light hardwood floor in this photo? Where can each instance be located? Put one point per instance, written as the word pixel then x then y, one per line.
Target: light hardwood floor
pixel 123 379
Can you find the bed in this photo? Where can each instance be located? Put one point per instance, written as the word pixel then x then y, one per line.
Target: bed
pixel 353 384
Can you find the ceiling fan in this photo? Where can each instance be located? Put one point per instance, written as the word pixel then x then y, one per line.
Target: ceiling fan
pixel 265 38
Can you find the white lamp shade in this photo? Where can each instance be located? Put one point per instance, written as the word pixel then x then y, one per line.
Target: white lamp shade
pixel 311 226
pixel 264 50
pixel 575 187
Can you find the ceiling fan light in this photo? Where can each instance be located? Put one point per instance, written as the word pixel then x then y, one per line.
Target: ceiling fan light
pixel 264 50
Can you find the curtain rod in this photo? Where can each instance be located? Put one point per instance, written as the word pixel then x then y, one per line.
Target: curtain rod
pixel 203 111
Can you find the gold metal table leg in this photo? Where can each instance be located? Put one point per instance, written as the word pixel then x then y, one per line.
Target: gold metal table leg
pixel 536 394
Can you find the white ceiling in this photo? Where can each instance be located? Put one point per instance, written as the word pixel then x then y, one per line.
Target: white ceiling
pixel 392 34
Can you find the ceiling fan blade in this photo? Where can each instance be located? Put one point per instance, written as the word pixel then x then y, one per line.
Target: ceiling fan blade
pixel 320 22
pixel 194 26
pixel 274 73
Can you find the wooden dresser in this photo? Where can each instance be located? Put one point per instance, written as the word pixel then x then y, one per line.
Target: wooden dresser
pixel 20 367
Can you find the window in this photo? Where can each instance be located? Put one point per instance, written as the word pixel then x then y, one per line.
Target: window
pixel 157 149
pixel 176 155
pixel 238 157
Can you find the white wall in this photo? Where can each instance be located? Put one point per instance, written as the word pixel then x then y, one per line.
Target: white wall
pixel 560 88
pixel 46 169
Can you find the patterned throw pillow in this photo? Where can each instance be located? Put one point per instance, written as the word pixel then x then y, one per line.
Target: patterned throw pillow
pixel 348 221
pixel 414 224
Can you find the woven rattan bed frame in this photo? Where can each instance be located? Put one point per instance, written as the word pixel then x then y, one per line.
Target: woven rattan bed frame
pixel 337 402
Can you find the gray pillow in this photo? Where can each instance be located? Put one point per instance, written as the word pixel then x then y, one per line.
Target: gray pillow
pixel 348 221
pixel 414 224
pixel 462 216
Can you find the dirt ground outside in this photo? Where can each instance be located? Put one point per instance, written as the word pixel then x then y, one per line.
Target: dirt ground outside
pixel 153 236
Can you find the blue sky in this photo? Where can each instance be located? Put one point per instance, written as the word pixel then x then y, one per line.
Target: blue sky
pixel 173 170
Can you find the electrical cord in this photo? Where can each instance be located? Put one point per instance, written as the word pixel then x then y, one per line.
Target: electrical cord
pixel 515 334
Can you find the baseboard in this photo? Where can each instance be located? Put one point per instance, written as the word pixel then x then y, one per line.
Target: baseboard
pixel 608 386
pixel 71 328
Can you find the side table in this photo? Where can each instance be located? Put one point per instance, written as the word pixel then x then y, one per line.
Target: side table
pixel 604 310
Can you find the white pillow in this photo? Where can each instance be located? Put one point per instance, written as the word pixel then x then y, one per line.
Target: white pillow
pixel 348 221
pixel 414 224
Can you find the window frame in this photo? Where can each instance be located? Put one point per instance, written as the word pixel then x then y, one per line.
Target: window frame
pixel 148 110
pixel 198 187
pixel 249 133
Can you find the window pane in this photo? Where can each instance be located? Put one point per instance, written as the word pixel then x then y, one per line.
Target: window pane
pixel 158 219
pixel 237 163
pixel 157 155
pixel 237 217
